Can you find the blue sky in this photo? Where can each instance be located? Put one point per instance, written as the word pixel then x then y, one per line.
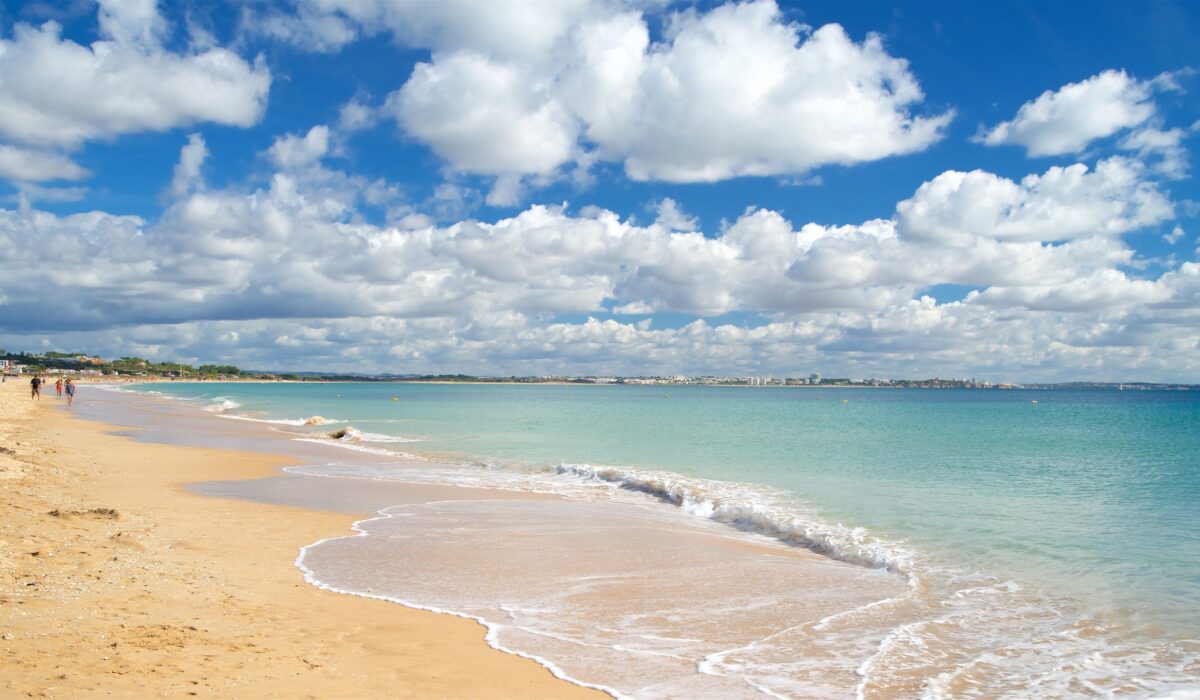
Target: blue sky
pixel 1002 190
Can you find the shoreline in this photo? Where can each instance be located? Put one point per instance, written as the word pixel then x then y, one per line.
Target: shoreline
pixel 120 580
pixel 438 382
pixel 560 595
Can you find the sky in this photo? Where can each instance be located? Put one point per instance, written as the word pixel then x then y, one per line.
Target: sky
pixel 1003 191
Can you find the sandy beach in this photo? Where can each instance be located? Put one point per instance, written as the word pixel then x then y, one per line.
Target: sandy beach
pixel 118 581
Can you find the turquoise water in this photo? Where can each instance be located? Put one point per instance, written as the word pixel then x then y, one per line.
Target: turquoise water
pixel 1090 492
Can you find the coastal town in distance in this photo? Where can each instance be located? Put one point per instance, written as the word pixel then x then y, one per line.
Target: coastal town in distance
pixel 89 366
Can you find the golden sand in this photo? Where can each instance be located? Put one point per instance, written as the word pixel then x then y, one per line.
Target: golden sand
pixel 116 581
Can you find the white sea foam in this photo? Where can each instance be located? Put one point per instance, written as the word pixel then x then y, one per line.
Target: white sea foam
pixel 364 436
pixel 221 404
pixel 1188 693
pixel 223 407
pixel 493 629
pixel 352 445
pixel 352 434
pixel 128 389
pixel 1087 656
pixel 758 509
pixel 357 440
pixel 298 422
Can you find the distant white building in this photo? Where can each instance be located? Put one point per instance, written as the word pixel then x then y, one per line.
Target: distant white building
pixel 814 378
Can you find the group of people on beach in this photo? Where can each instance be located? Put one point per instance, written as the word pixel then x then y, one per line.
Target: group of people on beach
pixel 35 388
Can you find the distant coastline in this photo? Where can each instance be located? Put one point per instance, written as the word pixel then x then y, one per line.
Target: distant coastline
pixel 81 365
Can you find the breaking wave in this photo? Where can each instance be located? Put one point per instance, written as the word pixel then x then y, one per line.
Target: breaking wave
pixel 220 404
pixel 756 509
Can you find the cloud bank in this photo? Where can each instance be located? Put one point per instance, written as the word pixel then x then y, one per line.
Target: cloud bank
pixel 290 273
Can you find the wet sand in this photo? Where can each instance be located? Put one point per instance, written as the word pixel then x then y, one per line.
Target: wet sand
pixel 119 581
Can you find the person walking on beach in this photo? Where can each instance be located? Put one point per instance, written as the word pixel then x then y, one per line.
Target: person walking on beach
pixel 35 387
pixel 58 387
pixel 70 391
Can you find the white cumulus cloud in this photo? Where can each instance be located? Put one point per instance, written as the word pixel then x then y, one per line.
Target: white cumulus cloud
pixel 733 91
pixel 56 95
pixel 1164 144
pixel 187 171
pixel 506 28
pixel 293 151
pixel 485 117
pixel 672 216
pixel 1061 204
pixel 110 88
pixel 1068 119
pixel 132 22
pixel 35 165
pixel 739 92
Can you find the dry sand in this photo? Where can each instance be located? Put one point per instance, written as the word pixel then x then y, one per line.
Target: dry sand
pixel 115 581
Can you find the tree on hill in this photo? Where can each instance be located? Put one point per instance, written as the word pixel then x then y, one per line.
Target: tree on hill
pixel 218 369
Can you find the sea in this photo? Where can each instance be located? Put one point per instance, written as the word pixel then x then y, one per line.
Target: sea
pixel 693 541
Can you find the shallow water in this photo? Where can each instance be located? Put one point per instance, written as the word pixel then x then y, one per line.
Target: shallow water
pixel 997 546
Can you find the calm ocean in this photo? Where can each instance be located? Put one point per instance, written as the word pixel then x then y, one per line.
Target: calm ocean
pixel 1050 540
